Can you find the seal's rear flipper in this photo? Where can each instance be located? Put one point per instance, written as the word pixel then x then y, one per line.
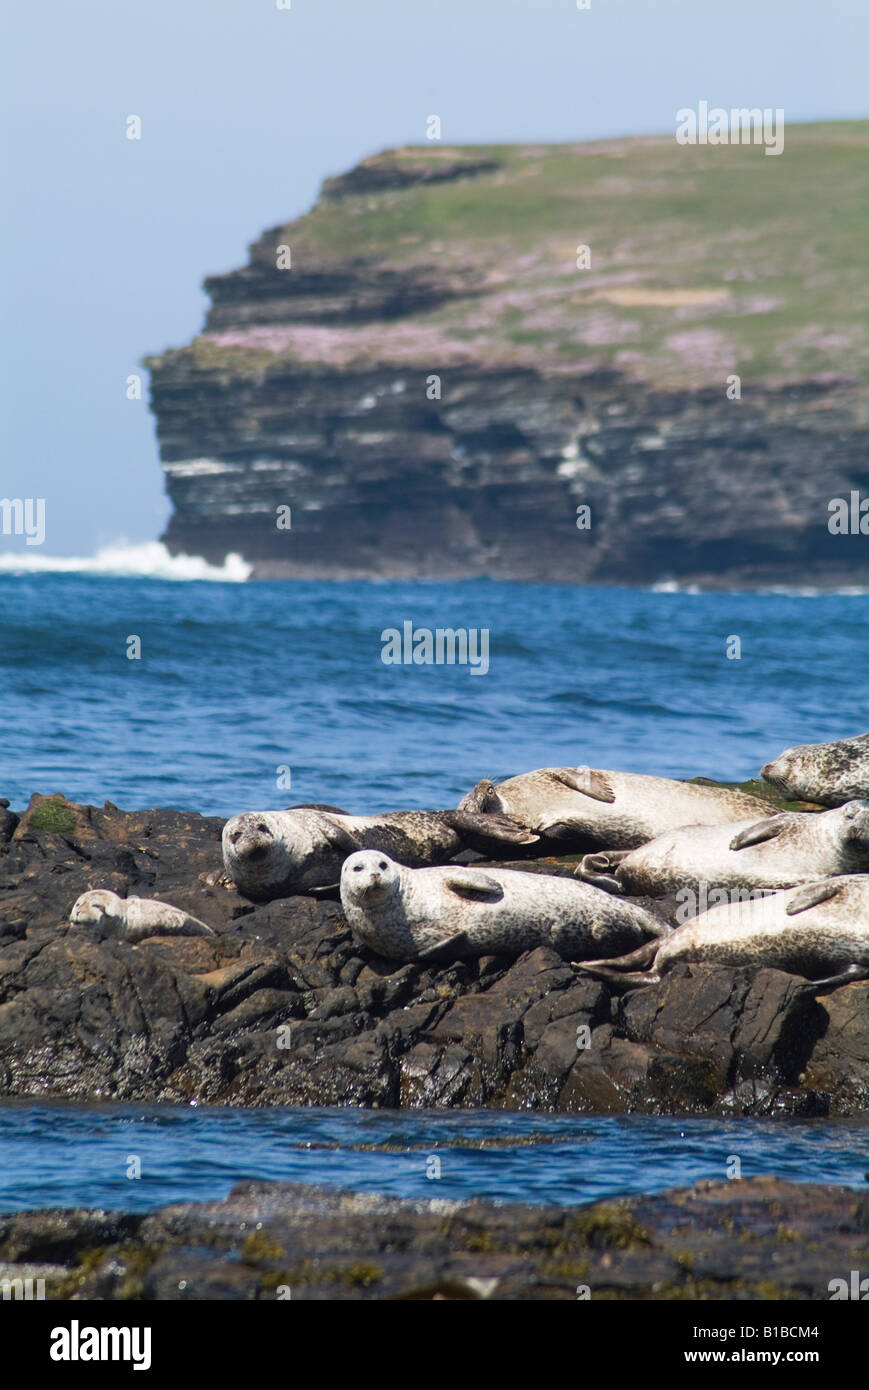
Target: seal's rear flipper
pixel 634 960
pixel 595 869
pixel 619 980
pixel 845 977
pixel 586 780
pixel 762 830
pixel 451 944
pixel 605 882
pixel 488 828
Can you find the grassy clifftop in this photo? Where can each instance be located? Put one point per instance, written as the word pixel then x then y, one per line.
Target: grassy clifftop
pixel 705 260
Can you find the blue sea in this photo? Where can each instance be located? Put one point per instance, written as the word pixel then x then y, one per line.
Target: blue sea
pixel 241 688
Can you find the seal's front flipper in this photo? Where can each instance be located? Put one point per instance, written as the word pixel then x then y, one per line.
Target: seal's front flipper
pixel 760 832
pixel 458 941
pixel 811 895
pixel 490 827
pixel 586 780
pixel 566 830
pixel 476 887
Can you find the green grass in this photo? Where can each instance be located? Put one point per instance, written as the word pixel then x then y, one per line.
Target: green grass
pixel 53 817
pixel 782 237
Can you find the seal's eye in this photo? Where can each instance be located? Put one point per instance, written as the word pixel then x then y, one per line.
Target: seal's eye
pixel 381 865
pixel 262 826
pixel 357 868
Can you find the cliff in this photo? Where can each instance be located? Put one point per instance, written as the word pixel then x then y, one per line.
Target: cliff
pixel 433 386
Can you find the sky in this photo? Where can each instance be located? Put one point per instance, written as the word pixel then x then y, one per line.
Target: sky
pixel 245 108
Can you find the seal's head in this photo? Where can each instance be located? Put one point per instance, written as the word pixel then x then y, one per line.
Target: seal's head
pixel 90 909
pixel 369 878
pixel 814 771
pixel 483 797
pixel 855 823
pixel 258 846
pixel 789 773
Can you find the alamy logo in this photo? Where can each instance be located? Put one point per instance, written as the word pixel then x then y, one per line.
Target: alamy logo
pixel 692 903
pixel 25 1289
pixel 23 516
pixel 76 1343
pixel 741 125
pixel 443 646
pixel 848 516
pixel 855 1287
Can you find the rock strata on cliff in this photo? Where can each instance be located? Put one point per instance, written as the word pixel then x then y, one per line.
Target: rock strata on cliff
pixel 433 386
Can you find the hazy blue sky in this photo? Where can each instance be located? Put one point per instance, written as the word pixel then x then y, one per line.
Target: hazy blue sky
pixel 245 109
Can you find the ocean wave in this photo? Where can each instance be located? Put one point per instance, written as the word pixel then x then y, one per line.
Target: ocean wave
pixel 149 559
pixel 672 586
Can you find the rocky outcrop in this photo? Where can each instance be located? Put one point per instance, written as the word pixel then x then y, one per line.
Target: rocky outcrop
pixel 756 1239
pixel 282 1007
pixel 421 373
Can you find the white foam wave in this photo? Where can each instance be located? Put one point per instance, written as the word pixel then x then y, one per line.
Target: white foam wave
pixel 672 586
pixel 149 559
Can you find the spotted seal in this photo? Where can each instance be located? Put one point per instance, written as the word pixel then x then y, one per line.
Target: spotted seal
pixel 410 914
pixel 819 930
pixel 271 854
pixel 590 809
pixel 137 918
pixel 777 852
pixel 827 773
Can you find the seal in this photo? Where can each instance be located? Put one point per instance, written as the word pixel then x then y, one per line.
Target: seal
pixel 819 930
pixel 138 918
pixel 827 773
pixel 778 852
pixel 411 914
pixel 591 809
pixel 271 854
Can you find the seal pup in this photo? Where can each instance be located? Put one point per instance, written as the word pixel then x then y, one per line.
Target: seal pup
pixel 827 773
pixel 138 918
pixel 819 930
pixel 411 914
pixel 592 809
pixel 271 854
pixel 778 852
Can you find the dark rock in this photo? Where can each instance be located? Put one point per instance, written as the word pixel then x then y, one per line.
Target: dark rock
pixel 748 1240
pixel 281 1007
pixel 839 1064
